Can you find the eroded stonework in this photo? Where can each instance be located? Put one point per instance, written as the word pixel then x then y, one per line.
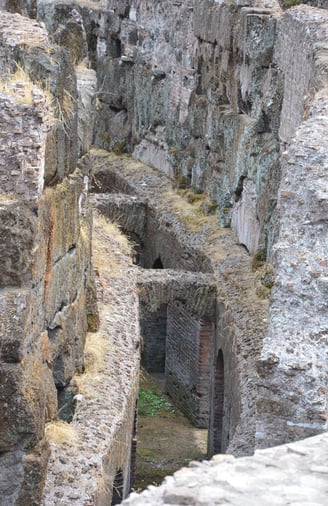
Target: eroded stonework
pixel 223 107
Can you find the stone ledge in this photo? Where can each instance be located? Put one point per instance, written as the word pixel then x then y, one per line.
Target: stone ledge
pixel 296 473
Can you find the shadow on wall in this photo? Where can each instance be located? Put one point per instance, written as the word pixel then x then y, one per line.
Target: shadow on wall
pixel 217 409
pixel 118 487
pixel 158 264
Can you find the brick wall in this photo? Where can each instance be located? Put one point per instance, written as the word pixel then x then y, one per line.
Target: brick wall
pixel 188 362
pixel 153 331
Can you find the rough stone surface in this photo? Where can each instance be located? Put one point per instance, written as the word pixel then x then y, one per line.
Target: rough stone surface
pixel 84 472
pixel 290 474
pixel 223 97
pixel 45 250
pixel 86 86
pixel 186 239
pixel 294 356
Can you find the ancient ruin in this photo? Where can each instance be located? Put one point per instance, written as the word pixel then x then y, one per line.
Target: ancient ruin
pixel 200 128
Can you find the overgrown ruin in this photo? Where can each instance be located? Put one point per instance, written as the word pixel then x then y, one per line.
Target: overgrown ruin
pixel 200 128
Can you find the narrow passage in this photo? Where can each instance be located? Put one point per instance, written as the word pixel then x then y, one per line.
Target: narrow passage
pixel 167 441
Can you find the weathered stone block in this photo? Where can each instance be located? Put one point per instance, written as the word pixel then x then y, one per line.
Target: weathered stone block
pixel 22 422
pixel 258 35
pixel 17 232
pixel 67 337
pixel 11 476
pixel 35 468
pixel 14 308
pixel 86 85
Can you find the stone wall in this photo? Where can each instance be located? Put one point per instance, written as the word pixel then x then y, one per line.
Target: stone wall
pixel 153 332
pixel 200 90
pixel 222 98
pixel 292 358
pixel 178 336
pixel 240 312
pixel 93 460
pixel 188 360
pixel 45 251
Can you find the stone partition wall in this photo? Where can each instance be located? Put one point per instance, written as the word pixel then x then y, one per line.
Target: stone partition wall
pixel 45 273
pixel 154 332
pixel 293 384
pixel 188 362
pixel 293 355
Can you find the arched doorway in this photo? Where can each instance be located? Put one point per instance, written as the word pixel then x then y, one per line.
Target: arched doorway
pixel 158 264
pixel 217 411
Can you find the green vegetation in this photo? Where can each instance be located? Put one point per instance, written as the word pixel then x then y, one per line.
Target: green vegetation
pixel 119 147
pixel 287 4
pixel 152 404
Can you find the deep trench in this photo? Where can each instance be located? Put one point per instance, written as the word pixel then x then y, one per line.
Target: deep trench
pixel 167 440
pixel 170 433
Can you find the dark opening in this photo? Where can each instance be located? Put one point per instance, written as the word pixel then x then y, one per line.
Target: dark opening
pixel 117 497
pixel 67 402
pixel 158 264
pixel 134 450
pixel 218 404
pixel 138 247
pixel 153 330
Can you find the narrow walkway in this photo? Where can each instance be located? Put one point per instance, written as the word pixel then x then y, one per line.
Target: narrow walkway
pixel 167 441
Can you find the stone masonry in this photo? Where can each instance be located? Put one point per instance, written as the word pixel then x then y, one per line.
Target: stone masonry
pixel 201 128
pixel 45 273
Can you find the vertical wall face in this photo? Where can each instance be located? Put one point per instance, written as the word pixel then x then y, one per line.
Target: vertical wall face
pixel 292 400
pixel 153 331
pixel 161 242
pixel 215 442
pixel 45 251
pixel 187 372
pixel 193 93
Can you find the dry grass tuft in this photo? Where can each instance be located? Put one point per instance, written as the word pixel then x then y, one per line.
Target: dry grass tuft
pixel 189 208
pixel 18 84
pixel 95 350
pixel 61 433
pixel 113 231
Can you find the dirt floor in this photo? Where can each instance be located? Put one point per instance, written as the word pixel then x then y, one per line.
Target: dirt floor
pixel 166 439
